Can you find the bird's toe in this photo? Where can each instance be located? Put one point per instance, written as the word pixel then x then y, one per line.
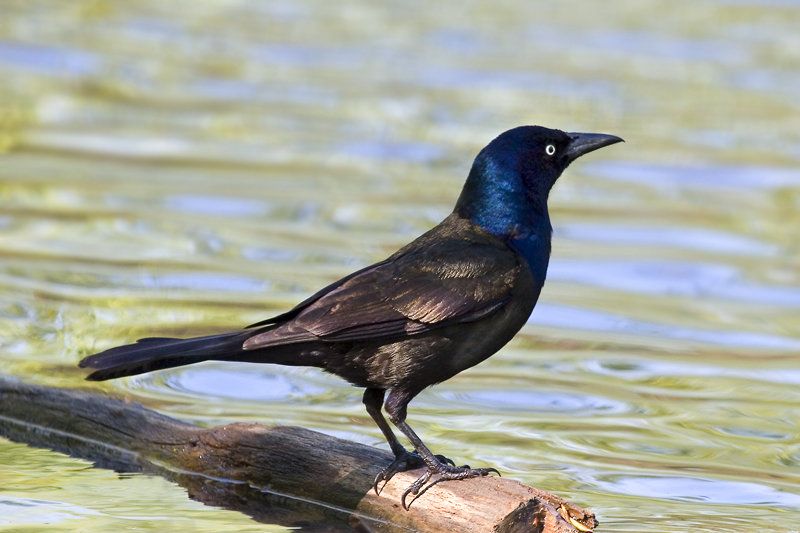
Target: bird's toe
pixel 443 472
pixel 402 463
pixel 445 460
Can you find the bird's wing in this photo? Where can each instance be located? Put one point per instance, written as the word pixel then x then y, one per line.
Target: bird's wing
pixel 293 312
pixel 412 292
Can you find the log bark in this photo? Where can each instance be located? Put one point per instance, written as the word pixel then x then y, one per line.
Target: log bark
pixel 285 475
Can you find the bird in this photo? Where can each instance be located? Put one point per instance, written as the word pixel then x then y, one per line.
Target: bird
pixel 440 305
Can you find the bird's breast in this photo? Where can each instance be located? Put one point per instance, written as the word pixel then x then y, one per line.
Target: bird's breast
pixel 474 342
pixel 534 249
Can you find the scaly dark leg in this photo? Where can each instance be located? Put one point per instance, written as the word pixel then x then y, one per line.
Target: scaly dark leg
pixel 373 401
pixel 403 459
pixel 396 406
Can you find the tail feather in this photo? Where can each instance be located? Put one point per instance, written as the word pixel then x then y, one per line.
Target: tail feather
pixel 155 353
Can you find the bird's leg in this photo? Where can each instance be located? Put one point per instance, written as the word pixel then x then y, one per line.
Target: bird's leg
pixel 373 400
pixel 403 459
pixel 396 406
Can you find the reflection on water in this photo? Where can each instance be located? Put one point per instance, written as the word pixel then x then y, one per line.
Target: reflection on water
pixel 180 171
pixel 24 511
pixel 673 278
pixel 222 382
pixel 702 490
pixel 680 237
pixel 568 317
pixel 533 400
pixel 706 176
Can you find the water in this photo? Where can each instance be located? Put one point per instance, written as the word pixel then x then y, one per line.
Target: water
pixel 189 167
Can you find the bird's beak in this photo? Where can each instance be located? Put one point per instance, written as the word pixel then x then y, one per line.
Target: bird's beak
pixel 583 143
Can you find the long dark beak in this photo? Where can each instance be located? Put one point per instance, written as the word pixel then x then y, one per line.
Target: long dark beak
pixel 583 143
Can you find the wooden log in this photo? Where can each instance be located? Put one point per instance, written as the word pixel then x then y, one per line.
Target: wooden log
pixel 284 475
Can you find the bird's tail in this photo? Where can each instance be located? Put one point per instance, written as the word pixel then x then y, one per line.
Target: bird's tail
pixel 155 353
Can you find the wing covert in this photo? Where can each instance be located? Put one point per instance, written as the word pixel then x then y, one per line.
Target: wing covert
pixel 412 292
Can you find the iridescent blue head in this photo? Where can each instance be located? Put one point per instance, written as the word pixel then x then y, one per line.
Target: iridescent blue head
pixel 507 188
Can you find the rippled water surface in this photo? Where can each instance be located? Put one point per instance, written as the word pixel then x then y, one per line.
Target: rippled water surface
pixel 185 167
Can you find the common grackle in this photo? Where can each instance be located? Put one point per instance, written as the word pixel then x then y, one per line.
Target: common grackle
pixel 439 305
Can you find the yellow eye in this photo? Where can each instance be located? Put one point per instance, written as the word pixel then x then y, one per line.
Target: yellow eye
pixel 550 149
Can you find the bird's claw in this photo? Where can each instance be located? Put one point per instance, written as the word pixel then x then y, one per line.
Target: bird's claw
pixel 414 488
pixel 402 463
pixel 444 472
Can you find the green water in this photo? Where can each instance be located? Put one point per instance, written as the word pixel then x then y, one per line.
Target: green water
pixel 185 167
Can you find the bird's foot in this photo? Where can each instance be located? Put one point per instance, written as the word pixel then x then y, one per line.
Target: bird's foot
pixel 402 463
pixel 439 473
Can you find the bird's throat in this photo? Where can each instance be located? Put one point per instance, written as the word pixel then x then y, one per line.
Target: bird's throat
pixel 499 203
pixel 496 199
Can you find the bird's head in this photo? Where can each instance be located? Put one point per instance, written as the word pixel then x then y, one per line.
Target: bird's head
pixel 507 188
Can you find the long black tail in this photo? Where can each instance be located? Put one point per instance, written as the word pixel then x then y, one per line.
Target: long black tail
pixel 155 353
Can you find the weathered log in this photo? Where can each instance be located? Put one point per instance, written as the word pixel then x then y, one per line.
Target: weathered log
pixel 285 475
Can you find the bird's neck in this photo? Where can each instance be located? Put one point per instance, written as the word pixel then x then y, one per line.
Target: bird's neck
pixel 499 203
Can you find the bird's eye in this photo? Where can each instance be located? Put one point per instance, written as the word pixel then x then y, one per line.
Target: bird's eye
pixel 550 149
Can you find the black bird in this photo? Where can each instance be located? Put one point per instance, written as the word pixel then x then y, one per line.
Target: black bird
pixel 439 305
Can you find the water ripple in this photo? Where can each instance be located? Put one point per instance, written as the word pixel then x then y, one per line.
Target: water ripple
pixel 709 176
pixel 26 511
pixel 219 381
pixel 562 316
pixel 680 237
pixel 690 489
pixel 673 278
pixel 537 400
pixel 60 61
